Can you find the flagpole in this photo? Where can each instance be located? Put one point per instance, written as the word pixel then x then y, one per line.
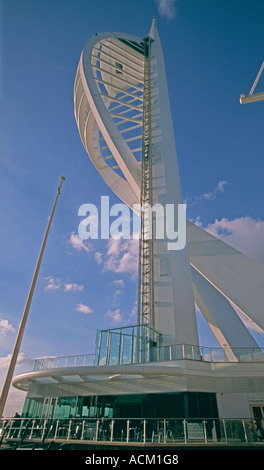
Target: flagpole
pixel 22 325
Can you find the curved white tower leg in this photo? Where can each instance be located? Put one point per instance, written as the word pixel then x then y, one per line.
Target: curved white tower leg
pixel 227 327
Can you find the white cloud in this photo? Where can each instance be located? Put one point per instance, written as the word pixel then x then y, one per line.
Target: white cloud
pixel 22 360
pixel 119 282
pixel 116 295
pixel 115 316
pixel 98 257
pixel 57 284
pixel 14 403
pixel 219 188
pixel 133 312
pixel 52 284
pixel 5 328
pixel 82 308
pixel 198 221
pixel 211 195
pixel 166 8
pixel 121 256
pixel 118 292
pixel 78 244
pixel 243 233
pixel 15 398
pixel 72 287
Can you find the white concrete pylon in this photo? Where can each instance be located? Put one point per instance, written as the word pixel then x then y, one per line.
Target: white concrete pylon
pixel 226 325
pixel 236 276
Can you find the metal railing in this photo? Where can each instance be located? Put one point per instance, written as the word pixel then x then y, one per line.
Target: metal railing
pixel 63 361
pixel 164 353
pixel 158 431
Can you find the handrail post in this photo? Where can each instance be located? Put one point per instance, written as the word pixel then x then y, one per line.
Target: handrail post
pixel 112 431
pixel 8 435
pixel 127 438
pixel 224 426
pixel 82 434
pixel 44 428
pixel 164 431
pixel 56 429
pixel 244 428
pixel 20 428
pixel 69 430
pixel 144 431
pixel 185 431
pixel 205 433
pixel 32 429
pixel 96 431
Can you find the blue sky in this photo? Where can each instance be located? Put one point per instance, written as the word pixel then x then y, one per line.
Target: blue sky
pixel 213 51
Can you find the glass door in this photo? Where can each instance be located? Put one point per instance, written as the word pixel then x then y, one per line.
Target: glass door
pixel 258 415
pixel 48 409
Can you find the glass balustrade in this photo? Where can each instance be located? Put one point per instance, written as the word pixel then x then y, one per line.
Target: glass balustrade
pixel 115 348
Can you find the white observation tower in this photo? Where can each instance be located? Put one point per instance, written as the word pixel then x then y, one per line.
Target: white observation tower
pixel 156 368
pixel 123 114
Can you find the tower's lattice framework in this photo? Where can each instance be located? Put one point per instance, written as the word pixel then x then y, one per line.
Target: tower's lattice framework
pixel 145 274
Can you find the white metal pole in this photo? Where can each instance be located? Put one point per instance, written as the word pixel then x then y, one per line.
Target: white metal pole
pixel 257 79
pixel 19 338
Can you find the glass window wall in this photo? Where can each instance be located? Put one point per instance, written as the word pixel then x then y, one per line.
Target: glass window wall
pixel 176 405
pixel 128 345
